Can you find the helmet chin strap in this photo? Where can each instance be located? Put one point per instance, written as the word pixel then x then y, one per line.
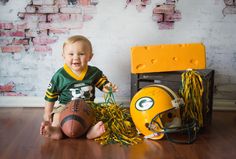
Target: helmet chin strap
pixel 152 135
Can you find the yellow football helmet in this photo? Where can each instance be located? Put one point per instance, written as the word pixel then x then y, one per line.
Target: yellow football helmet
pixel 155 111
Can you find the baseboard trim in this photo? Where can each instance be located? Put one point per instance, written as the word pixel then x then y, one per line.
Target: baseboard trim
pixel 223 104
pixel 21 101
pixel 26 101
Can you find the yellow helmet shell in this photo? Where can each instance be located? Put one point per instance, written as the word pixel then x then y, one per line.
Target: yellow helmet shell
pixel 147 103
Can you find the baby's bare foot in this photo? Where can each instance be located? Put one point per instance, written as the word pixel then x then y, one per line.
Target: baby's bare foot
pixel 43 125
pixel 49 131
pixel 96 131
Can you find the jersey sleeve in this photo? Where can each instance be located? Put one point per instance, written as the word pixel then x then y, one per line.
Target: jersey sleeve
pixel 52 93
pixel 101 82
pixel 100 79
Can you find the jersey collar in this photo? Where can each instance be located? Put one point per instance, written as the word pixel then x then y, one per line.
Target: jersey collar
pixel 75 76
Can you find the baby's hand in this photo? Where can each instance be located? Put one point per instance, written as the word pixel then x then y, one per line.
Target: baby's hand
pixel 110 87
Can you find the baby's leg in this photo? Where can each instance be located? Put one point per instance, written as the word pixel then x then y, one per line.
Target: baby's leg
pixel 96 131
pixel 52 130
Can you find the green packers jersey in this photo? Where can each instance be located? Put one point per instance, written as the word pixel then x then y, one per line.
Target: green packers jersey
pixel 65 85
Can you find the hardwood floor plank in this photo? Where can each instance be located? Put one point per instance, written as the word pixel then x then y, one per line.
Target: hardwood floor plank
pixel 19 138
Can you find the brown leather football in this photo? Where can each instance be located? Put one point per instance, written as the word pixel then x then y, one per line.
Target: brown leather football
pixel 77 118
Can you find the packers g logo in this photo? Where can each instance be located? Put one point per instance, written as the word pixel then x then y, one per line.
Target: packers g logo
pixel 144 103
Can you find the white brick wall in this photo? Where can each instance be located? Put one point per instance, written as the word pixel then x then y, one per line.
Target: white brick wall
pixel 113 30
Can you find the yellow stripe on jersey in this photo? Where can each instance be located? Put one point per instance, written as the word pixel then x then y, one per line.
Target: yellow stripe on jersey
pixel 75 76
pixel 51 95
pixel 101 81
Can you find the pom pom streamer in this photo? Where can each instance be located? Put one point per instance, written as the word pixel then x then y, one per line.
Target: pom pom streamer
pixel 191 91
pixel 118 123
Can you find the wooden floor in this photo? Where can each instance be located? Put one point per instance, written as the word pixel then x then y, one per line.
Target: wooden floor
pixel 20 139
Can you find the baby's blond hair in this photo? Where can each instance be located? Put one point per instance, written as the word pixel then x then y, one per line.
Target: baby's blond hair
pixel 80 38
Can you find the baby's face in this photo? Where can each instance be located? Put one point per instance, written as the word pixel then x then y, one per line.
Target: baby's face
pixel 77 56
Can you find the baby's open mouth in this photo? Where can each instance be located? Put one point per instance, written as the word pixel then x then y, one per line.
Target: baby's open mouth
pixel 76 64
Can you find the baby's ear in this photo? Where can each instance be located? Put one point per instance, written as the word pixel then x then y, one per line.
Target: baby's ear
pixel 90 56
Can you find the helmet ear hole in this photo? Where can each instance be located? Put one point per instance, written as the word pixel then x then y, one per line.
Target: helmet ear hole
pixel 147 125
pixel 170 115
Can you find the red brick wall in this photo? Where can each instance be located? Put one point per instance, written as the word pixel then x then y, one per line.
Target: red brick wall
pixel 230 7
pixel 42 21
pixel 165 15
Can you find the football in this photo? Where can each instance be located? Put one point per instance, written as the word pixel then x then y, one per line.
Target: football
pixel 77 118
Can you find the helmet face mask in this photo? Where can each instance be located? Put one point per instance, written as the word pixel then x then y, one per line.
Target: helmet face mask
pixel 170 124
pixel 156 113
